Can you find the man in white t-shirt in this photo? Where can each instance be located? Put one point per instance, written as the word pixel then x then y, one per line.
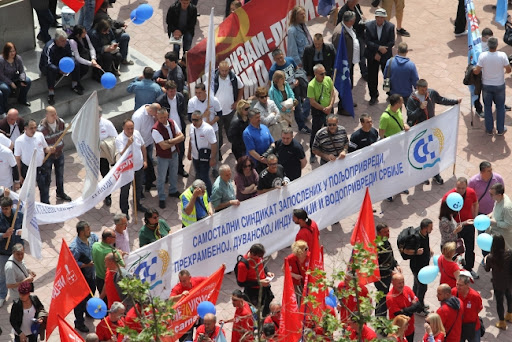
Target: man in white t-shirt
pixel 108 134
pixel 7 162
pixel 202 136
pixel 493 65
pixel 228 89
pixel 144 118
pixel 24 148
pixel 130 139
pixel 167 136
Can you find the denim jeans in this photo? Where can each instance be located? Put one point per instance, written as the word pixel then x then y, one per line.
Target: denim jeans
pixel 3 285
pixel 187 43
pixel 299 113
pixel 87 14
pixel 42 183
pixel 58 163
pixel 494 94
pixel 5 92
pixel 53 71
pixel 125 191
pixel 202 170
pixel 167 165
pixel 123 40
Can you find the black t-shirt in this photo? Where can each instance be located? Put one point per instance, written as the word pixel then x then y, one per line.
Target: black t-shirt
pixel 420 261
pixel 360 139
pixel 271 180
pixel 290 157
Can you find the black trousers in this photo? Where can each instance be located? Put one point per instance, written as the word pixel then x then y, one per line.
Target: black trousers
pixel 81 308
pixel 319 121
pixel 460 20
pixel 499 295
pixel 373 75
pixel 266 298
pixel 468 235
pixel 383 285
pixel 419 289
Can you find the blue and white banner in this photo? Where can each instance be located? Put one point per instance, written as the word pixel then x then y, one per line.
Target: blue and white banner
pixel 329 194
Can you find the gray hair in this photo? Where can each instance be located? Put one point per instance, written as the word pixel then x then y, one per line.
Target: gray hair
pixel 92 337
pixel 224 167
pixel 402 47
pixel 198 184
pixel 287 130
pixel 492 43
pixel 318 66
pixel 348 16
pixel 60 33
pixel 464 278
pixel 277 52
pixel 272 157
pixel 332 116
pixel 117 306
pixel 18 248
pixel 253 112
pixel 118 218
pixel 196 112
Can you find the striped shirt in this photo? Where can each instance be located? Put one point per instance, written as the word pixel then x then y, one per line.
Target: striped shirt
pixel 328 143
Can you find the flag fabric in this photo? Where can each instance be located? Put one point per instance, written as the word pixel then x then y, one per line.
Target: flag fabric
pixel 209 65
pixel 342 76
pixel 69 288
pixel 97 6
pixel 66 332
pixel 364 233
pixel 501 12
pixel 290 325
pixel 75 5
pixel 27 196
pixel 86 136
pixel 474 41
pixel 325 7
pixel 220 337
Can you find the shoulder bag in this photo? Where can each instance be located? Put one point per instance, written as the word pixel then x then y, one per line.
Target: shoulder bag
pixel 204 153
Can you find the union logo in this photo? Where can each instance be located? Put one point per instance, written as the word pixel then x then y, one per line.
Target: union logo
pixel 425 149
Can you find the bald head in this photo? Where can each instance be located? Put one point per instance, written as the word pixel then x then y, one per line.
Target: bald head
pixel 12 116
pixel 398 282
pixel 444 292
pixel 51 114
pixel 153 108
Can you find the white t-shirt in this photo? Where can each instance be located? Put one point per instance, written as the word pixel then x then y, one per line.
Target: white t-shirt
pixel 158 138
pixel 135 148
pixel 225 93
pixel 7 161
pixel 493 67
pixel 205 138
pixel 5 141
pixel 173 111
pixel 195 104
pixel 14 131
pixel 107 129
pixel 143 123
pixel 25 145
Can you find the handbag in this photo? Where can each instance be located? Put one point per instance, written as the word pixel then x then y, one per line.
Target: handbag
pixel 375 3
pixel 460 249
pixel 204 153
pixel 26 275
pixel 386 86
pixel 507 36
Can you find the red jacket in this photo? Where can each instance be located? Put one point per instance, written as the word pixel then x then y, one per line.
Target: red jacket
pixel 451 312
pixel 469 199
pixel 249 275
pixel 397 301
pixel 472 305
pixel 308 233
pixel 349 304
pixel 179 288
pixel 367 335
pixel 102 330
pixel 447 268
pixel 243 325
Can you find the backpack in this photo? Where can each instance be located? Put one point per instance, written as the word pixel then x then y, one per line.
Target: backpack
pixel 406 240
pixel 246 262
pixel 507 36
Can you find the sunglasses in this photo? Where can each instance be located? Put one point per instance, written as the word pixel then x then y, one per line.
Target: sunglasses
pixel 246 109
pixel 263 96
pixel 322 74
pixel 195 120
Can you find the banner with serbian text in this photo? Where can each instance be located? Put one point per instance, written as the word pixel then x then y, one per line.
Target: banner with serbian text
pixel 186 309
pixel 246 39
pixel 120 174
pixel 329 194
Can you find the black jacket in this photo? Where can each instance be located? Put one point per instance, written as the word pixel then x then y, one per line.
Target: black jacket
pixel 358 26
pixel 180 104
pixel 328 54
pixel 6 129
pixel 387 38
pixel 16 317
pixel 173 18
pixel 52 54
pixel 102 15
pixel 415 114
pixel 236 135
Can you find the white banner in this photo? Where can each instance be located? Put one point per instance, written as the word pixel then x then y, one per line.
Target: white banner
pixel 120 174
pixel 329 194
pixel 86 136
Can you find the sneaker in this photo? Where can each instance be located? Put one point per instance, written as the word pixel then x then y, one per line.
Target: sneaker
pixel 175 194
pixel 64 197
pixel 423 313
pixel 312 159
pixel 108 201
pixel 305 130
pixel 405 192
pixel 427 182
pixel 2 301
pixel 480 114
pixel 508 108
pixel 82 328
pixel 464 33
pixel 77 90
pixel 403 32
pixel 489 133
pixel 51 100
pixel 389 199
pixel 426 307
pixel 161 204
pixel 142 209
pixel 438 179
pixel 504 131
pixel 474 274
pixel 373 101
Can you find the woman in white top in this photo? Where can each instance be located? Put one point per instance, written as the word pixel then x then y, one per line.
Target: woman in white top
pixel 270 116
pixel 83 50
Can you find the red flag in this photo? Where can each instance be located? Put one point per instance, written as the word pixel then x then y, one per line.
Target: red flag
pixel 364 233
pixel 69 288
pixel 98 5
pixel 75 5
pixel 66 332
pixel 290 325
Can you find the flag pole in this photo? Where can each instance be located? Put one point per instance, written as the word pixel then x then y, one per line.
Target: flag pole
pixel 57 142
pixel 134 199
pixel 209 82
pixel 13 223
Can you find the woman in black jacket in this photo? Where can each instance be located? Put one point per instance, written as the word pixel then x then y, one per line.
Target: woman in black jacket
pixel 27 314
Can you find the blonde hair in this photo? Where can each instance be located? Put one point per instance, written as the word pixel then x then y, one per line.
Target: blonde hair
pixel 449 249
pixel 293 14
pixel 401 322
pixel 299 247
pixel 241 104
pixel 279 74
pixel 435 322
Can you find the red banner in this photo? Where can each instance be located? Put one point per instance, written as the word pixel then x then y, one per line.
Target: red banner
pixel 66 332
pixel 186 308
pixel 364 232
pixel 69 288
pixel 75 5
pixel 290 325
pixel 247 38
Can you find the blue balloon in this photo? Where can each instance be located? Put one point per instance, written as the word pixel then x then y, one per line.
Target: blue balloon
pixel 482 222
pixel 436 258
pixel 96 308
pixel 330 302
pixel 138 21
pixel 428 274
pixel 454 201
pixel 484 241
pixel 108 80
pixel 332 296
pixel 205 307
pixel 133 15
pixel 66 65
pixel 144 11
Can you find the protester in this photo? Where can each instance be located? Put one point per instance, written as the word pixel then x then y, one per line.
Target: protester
pixel 257 139
pixel 346 291
pixel 12 126
pixel 354 327
pixel 108 134
pixel 451 312
pixel 122 237
pixel 209 330
pixel 185 285
pixel 387 265
pixel 26 311
pixel 434 329
pixel 12 77
pixel 83 50
pixel 181 21
pixel 237 127
pixel 403 76
pixel 223 190
pixel 113 274
pixel 272 177
pixel 275 315
pixel 243 322
pixel 291 154
pixel 108 50
pixel 472 304
pixel 299 265
pixel 281 94
pixel 270 113
pixel 246 179
pixel 364 136
pixel 319 53
pixel 399 13
pixel 401 300
pixel 16 272
pixel 402 323
pixel 447 225
pixel 145 90
pixel 107 328
pixel 501 216
pixel 99 252
pixel 175 73
pixel 448 268
pixel 7 166
pixel 195 203
pixel 308 229
pixel 154 228
pixel 330 143
pixel 92 337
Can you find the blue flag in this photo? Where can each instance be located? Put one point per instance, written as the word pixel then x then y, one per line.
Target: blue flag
pixel 220 336
pixel 325 7
pixel 342 76
pixel 474 41
pixel 501 12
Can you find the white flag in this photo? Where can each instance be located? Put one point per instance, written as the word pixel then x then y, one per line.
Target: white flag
pixel 30 228
pixel 86 136
pixel 209 64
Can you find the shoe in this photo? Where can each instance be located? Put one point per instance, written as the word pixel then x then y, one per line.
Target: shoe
pixel 142 208
pixel 365 77
pixel 82 328
pixel 480 114
pixel 489 133
pixel 312 159
pixel 80 86
pixel 51 100
pixel 2 301
pixel 423 313
pixel 161 204
pixel 126 62
pixel 474 274
pixel 116 72
pixel 438 179
pixel 305 130
pixel 148 187
pixel 508 317
pixel 427 182
pixel 64 197
pixel 426 307
pixel 108 201
pixel 464 33
pixel 25 103
pixel 508 108
pixel 355 105
pixel 405 192
pixel 389 199
pixel 373 101
pixel 77 90
pixel 403 32
pixel 501 325
pixel 183 173
pixel 504 131
pixel 175 194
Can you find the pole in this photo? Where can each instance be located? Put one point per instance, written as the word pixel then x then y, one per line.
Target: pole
pixel 12 224
pixel 57 142
pixel 134 199
pixel 209 82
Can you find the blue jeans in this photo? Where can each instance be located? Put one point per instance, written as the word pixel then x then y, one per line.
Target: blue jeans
pixel 3 285
pixel 123 40
pixel 53 71
pixel 87 14
pixel 494 94
pixel 58 163
pixel 202 170
pixel 42 183
pixel 167 165
pixel 299 113
pixel 187 43
pixel 5 92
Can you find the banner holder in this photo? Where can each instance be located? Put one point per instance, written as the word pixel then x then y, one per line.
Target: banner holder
pixel 57 142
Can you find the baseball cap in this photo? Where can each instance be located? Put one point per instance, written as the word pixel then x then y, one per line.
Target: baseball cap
pixel 381 12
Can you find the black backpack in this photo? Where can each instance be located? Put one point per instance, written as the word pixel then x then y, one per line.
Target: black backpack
pixel 507 36
pixel 407 239
pixel 246 262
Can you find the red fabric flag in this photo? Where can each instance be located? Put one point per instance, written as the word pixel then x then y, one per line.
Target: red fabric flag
pixel 290 325
pixel 75 5
pixel 69 288
pixel 364 233
pixel 98 5
pixel 66 332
